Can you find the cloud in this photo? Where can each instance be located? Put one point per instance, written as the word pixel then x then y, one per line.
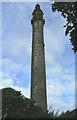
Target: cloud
pixel 9 82
pixel 55 40
pixel 0 73
pixel 20 73
pixel 17 47
pixel 68 77
pixel 55 43
pixel 19 34
pixel 53 68
pixel 59 95
pixel 10 65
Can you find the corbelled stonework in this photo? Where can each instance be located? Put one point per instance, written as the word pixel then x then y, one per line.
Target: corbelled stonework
pixel 38 73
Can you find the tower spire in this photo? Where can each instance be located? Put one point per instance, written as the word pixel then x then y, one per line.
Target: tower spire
pixel 38 73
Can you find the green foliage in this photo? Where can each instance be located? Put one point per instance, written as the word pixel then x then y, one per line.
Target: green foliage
pixel 52 113
pixel 15 105
pixel 69 114
pixel 68 11
pixel 64 115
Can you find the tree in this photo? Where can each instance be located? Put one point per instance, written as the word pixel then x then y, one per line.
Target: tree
pixel 68 11
pixel 15 105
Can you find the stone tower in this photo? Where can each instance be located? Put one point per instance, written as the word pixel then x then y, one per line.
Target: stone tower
pixel 38 75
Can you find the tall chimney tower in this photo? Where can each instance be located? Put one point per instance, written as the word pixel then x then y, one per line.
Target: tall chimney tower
pixel 38 74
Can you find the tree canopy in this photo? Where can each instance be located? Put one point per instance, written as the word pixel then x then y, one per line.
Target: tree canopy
pixel 15 105
pixel 68 11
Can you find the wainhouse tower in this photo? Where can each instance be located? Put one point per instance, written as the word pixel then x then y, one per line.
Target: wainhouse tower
pixel 38 73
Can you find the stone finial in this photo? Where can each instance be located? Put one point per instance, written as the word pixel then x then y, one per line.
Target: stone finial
pixel 37 14
pixel 37 7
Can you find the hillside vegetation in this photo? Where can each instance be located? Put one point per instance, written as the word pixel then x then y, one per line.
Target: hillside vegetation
pixel 15 105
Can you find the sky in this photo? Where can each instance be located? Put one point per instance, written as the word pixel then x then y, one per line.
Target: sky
pixel 16 53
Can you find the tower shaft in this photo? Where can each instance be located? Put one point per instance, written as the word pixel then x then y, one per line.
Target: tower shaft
pixel 38 74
